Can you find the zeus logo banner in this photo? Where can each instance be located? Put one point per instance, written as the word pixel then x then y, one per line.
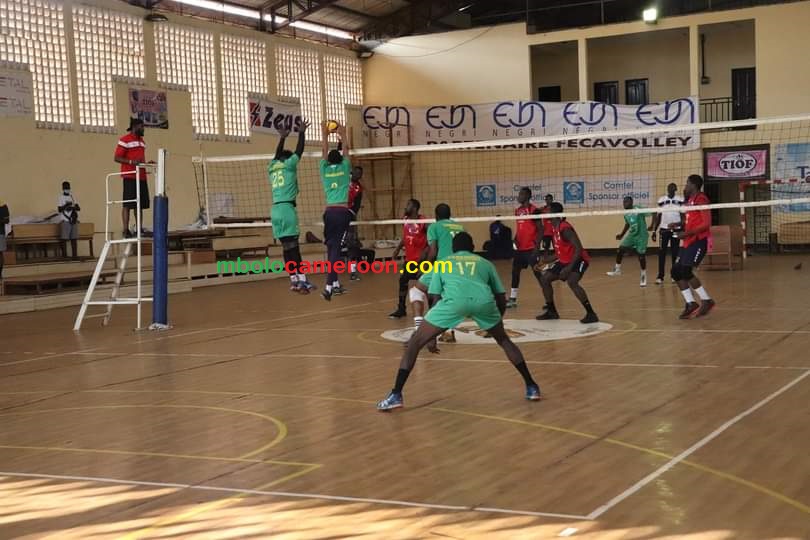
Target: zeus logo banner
pixel 267 116
pixel 466 122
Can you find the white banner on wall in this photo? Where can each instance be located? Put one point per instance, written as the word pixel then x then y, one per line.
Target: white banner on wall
pixel 16 93
pixel 267 115
pixel 791 160
pixel 591 192
pixel 439 124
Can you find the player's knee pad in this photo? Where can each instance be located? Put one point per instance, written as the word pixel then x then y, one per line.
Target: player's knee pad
pixel 416 295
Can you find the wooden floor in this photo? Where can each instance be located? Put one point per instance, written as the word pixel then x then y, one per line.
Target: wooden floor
pixel 254 418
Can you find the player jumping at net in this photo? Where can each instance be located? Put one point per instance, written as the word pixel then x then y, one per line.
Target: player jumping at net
pixel 571 264
pixel 440 246
pixel 473 289
pixel 694 245
pixel 283 173
pixel 633 238
pixel 528 237
pixel 335 175
pixel 414 241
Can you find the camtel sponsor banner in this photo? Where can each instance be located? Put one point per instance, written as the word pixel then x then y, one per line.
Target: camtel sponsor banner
pixel 499 194
pixel 597 192
pixel 441 124
pixel 749 163
pixel 267 116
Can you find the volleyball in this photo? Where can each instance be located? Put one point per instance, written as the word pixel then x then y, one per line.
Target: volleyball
pixel 331 125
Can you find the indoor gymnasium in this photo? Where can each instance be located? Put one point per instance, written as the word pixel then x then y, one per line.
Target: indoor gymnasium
pixel 404 269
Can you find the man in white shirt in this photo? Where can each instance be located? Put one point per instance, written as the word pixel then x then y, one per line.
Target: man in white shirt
pixel 69 215
pixel 661 225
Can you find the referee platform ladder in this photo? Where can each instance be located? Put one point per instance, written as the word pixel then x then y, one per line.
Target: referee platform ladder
pixel 111 246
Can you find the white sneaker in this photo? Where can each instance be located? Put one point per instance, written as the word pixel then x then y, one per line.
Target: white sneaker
pixel 614 273
pixel 643 282
pixel 672 280
pixel 659 281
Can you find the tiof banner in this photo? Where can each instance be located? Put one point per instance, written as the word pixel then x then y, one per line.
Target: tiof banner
pixel 602 192
pixel 746 162
pixel 150 106
pixel 16 94
pixel 267 116
pixel 458 123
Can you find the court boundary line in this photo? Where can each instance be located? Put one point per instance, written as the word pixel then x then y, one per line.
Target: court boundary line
pixel 291 494
pixel 596 513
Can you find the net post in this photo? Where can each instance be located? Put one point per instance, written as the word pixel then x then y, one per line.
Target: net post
pixel 160 248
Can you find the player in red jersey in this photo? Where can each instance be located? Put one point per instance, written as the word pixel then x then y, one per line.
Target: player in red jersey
pixel 694 245
pixel 548 228
pixel 572 262
pixel 414 241
pixel 527 242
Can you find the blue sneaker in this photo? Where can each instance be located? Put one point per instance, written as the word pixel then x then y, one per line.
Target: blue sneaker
pixel 337 291
pixel 393 401
pixel 533 392
pixel 307 285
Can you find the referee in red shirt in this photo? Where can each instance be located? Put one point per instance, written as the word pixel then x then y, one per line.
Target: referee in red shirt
pixel 131 152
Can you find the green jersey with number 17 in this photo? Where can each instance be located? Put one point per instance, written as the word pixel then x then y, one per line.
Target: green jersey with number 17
pixel 442 232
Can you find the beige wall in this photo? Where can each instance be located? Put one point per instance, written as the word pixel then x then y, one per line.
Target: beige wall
pixel 660 57
pixel 728 46
pixel 497 66
pixel 554 65
pixel 36 160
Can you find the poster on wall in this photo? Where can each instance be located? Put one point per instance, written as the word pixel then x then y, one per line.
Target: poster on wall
pixel 267 115
pixel 149 106
pixel 385 125
pixel 591 192
pixel 791 161
pixel 739 162
pixel 16 93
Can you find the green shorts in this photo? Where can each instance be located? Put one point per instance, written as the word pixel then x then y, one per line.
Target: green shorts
pixel 284 219
pixel 635 242
pixel 450 312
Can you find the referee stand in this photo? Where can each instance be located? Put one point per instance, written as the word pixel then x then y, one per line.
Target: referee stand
pixel 160 255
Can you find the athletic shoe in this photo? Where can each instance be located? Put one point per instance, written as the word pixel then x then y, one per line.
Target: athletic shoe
pixel 589 318
pixel 308 286
pixel 354 276
pixel 533 392
pixel 398 314
pixel 613 273
pixel 549 315
pixel 705 307
pixel 327 295
pixel 643 282
pixel 302 288
pixel 511 303
pixel 337 291
pixel 690 310
pixel 659 281
pixel 294 287
pixel 448 337
pixel 128 234
pixel 393 401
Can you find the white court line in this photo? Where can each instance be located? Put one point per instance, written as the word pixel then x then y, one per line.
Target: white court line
pixel 317 496
pixel 692 449
pixel 703 331
pixel 568 532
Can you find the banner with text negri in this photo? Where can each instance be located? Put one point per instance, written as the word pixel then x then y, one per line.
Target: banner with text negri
pixel 442 124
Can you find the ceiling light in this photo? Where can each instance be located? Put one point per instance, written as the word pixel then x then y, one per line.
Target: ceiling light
pixel 650 15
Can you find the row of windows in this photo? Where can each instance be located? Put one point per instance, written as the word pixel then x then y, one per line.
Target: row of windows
pixel 109 46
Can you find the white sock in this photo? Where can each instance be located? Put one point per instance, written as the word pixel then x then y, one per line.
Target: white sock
pixel 328 288
pixel 688 296
pixel 702 293
pixel 643 273
pixel 302 278
pixel 513 294
pixel 617 267
pixel 417 321
pixel 293 279
pixel 336 284
pixel 353 266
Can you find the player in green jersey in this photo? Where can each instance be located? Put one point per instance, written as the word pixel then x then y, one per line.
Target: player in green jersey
pixel 472 289
pixel 633 238
pixel 440 246
pixel 336 174
pixel 283 173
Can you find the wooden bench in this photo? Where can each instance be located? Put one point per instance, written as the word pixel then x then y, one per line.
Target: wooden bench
pixel 60 280
pixel 727 249
pixel 232 243
pixel 40 236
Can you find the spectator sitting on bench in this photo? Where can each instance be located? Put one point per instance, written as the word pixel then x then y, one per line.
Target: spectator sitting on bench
pixel 69 215
pixel 4 218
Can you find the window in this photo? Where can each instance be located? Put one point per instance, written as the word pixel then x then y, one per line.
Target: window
pixel 244 71
pixel 33 32
pixel 635 92
pixel 343 83
pixel 108 45
pixel 606 92
pixel 298 75
pixel 185 59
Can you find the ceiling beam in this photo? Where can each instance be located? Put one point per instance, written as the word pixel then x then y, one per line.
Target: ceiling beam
pixel 311 7
pixel 352 12
pixel 417 17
